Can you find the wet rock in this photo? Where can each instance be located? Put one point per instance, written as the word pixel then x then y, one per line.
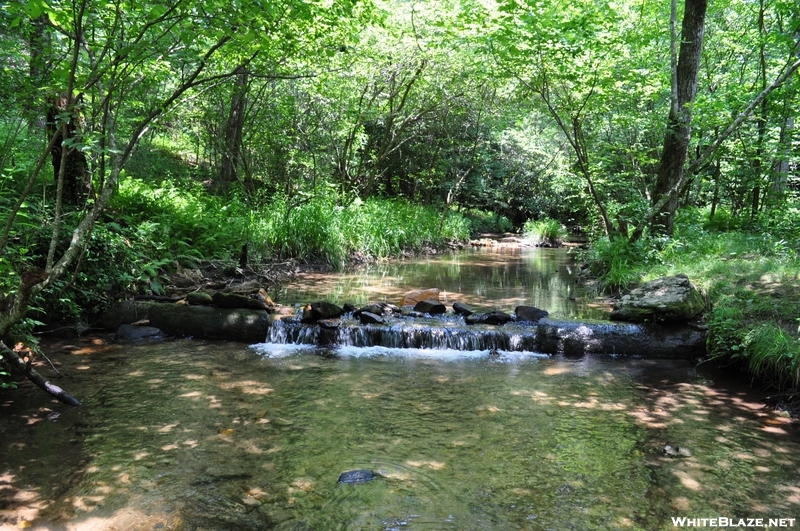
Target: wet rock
pixel 664 299
pixel 462 309
pixel 128 332
pixel 370 318
pixel 489 318
pixel 357 476
pixel 677 451
pixel 378 308
pixel 328 332
pixel 529 314
pixel 413 297
pixel 321 310
pixel 430 307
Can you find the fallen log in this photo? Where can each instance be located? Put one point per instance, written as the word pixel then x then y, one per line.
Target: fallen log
pixel 12 358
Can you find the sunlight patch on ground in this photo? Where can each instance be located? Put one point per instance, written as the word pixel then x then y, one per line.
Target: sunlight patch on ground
pixel 687 481
pixel 433 465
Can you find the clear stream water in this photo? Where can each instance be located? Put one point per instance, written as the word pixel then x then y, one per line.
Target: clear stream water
pixel 195 435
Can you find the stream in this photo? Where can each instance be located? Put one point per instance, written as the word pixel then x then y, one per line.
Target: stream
pixel 192 435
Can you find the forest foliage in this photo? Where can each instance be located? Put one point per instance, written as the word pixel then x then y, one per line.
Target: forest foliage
pixel 137 137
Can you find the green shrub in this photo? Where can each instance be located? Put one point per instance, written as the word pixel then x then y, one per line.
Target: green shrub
pixel 546 230
pixel 618 263
pixel 772 355
pixel 481 221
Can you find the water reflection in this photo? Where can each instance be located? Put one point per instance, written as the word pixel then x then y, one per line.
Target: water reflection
pixel 485 278
pixel 191 435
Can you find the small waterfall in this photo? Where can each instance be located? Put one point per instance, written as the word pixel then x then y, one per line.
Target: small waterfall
pixel 403 335
pixel 291 331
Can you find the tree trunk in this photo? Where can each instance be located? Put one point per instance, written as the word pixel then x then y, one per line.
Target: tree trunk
pixel 39 45
pixel 77 181
pixel 231 154
pixel 758 161
pixel 777 190
pixel 679 122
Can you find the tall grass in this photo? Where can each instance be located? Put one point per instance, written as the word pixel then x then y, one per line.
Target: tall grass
pixel 547 230
pixel 772 354
pixel 314 227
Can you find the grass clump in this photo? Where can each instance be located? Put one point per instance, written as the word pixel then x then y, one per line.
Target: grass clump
pixel 545 231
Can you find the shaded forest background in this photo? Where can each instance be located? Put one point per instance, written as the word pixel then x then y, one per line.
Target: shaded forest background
pixel 138 137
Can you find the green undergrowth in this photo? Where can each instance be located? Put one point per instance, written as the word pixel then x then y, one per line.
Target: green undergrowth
pixel 750 277
pixel 152 229
pixel 545 230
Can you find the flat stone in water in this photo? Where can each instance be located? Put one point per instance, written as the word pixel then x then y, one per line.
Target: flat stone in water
pixel 357 476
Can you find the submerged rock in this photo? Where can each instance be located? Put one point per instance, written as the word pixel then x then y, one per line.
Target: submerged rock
pixel 357 476
pixel 664 299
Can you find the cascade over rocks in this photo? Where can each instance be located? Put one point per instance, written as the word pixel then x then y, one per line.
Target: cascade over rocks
pixel 664 306
pixel 666 299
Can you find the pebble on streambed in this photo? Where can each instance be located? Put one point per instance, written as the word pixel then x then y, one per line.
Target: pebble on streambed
pixel 677 451
pixel 357 476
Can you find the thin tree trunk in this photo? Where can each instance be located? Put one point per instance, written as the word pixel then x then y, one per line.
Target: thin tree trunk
pixel 231 155
pixel 781 169
pixel 758 160
pixel 39 45
pixel 679 122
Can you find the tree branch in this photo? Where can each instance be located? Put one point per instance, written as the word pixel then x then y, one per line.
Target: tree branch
pixel 12 358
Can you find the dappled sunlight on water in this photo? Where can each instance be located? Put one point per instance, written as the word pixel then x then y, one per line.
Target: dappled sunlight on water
pixel 186 435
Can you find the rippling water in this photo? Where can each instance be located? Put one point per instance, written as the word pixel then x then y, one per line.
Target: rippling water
pixel 190 435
